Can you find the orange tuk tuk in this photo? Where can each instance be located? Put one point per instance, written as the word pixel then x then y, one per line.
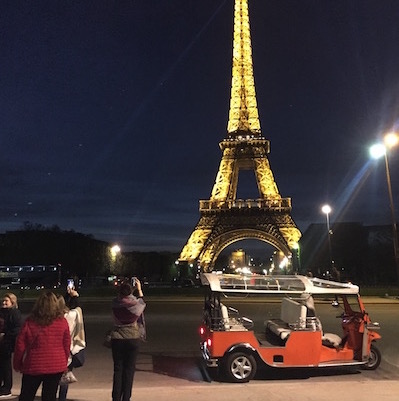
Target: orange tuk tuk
pixel 231 346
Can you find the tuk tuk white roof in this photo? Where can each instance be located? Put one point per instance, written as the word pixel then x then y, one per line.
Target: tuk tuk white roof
pixel 284 284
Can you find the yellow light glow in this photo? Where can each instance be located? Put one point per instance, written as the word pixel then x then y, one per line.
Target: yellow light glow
pixel 283 263
pixel 391 139
pixel 115 250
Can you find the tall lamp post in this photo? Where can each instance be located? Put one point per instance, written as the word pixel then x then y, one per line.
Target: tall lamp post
pixel 376 151
pixel 326 209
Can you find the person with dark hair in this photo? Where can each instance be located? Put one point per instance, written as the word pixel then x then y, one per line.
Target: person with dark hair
pixel 71 298
pixel 74 317
pixel 11 319
pixel 42 349
pixel 126 336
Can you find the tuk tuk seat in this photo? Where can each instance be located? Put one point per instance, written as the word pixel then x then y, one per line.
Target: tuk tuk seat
pixel 230 323
pixel 292 317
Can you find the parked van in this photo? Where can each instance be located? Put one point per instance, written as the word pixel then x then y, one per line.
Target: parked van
pixel 231 346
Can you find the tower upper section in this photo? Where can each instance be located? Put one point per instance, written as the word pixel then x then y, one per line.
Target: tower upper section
pixel 243 114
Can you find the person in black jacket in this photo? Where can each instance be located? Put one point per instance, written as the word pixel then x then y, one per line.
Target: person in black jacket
pixel 11 320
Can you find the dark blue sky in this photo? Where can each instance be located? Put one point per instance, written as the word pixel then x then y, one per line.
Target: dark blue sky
pixel 111 111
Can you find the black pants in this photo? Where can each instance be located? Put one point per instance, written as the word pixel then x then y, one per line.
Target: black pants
pixel 31 383
pixel 124 354
pixel 5 370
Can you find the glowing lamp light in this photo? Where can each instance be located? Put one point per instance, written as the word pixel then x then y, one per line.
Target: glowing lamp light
pixel 391 139
pixel 326 209
pixel 378 150
pixel 284 263
pixel 115 250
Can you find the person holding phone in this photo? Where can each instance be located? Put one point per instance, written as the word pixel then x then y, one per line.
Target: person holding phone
pixel 72 296
pixel 125 338
pixel 74 317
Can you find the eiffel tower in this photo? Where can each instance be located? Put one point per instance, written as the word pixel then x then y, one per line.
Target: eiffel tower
pixel 224 219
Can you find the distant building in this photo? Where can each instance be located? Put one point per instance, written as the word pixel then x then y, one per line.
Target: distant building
pixel 363 254
pixel 238 259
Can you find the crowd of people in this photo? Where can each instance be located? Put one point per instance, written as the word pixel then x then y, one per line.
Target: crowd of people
pixel 50 343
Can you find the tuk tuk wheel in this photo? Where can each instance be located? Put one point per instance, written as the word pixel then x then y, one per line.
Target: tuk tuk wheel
pixel 374 358
pixel 240 367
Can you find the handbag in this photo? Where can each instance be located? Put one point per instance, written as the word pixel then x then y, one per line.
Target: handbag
pixel 68 378
pixel 78 359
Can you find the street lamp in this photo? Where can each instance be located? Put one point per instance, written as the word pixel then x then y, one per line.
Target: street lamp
pixel 376 151
pixel 115 250
pixel 296 258
pixel 326 209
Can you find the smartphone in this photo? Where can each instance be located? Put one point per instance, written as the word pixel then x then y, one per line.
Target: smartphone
pixel 134 281
pixel 71 283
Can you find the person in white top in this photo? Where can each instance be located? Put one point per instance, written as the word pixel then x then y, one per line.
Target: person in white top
pixel 74 318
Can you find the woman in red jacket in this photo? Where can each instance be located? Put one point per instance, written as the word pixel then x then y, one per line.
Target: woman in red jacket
pixel 42 349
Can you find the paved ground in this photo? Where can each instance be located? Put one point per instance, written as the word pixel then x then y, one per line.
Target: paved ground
pixel 174 391
pixel 157 387
pixel 150 388
pixel 154 385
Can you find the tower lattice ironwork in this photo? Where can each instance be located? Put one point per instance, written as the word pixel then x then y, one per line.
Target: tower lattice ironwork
pixel 224 219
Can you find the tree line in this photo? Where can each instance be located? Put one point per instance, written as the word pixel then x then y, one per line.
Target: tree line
pixel 361 254
pixel 80 255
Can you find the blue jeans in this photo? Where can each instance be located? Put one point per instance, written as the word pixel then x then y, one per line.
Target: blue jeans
pixel 124 354
pixel 63 392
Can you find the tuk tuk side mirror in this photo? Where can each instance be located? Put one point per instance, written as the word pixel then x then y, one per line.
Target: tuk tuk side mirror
pixel 335 304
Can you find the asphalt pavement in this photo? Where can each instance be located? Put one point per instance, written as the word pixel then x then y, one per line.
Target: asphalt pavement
pixel 151 385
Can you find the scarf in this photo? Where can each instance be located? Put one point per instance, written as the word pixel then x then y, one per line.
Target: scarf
pixel 127 310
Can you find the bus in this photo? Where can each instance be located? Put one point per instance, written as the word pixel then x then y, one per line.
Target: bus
pixel 30 276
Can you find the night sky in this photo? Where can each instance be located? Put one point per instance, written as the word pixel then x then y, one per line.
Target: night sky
pixel 111 112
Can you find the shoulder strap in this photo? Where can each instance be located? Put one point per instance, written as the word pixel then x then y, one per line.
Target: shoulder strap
pixel 30 345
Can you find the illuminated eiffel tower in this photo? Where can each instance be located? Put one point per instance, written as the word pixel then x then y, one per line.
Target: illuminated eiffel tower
pixel 224 219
